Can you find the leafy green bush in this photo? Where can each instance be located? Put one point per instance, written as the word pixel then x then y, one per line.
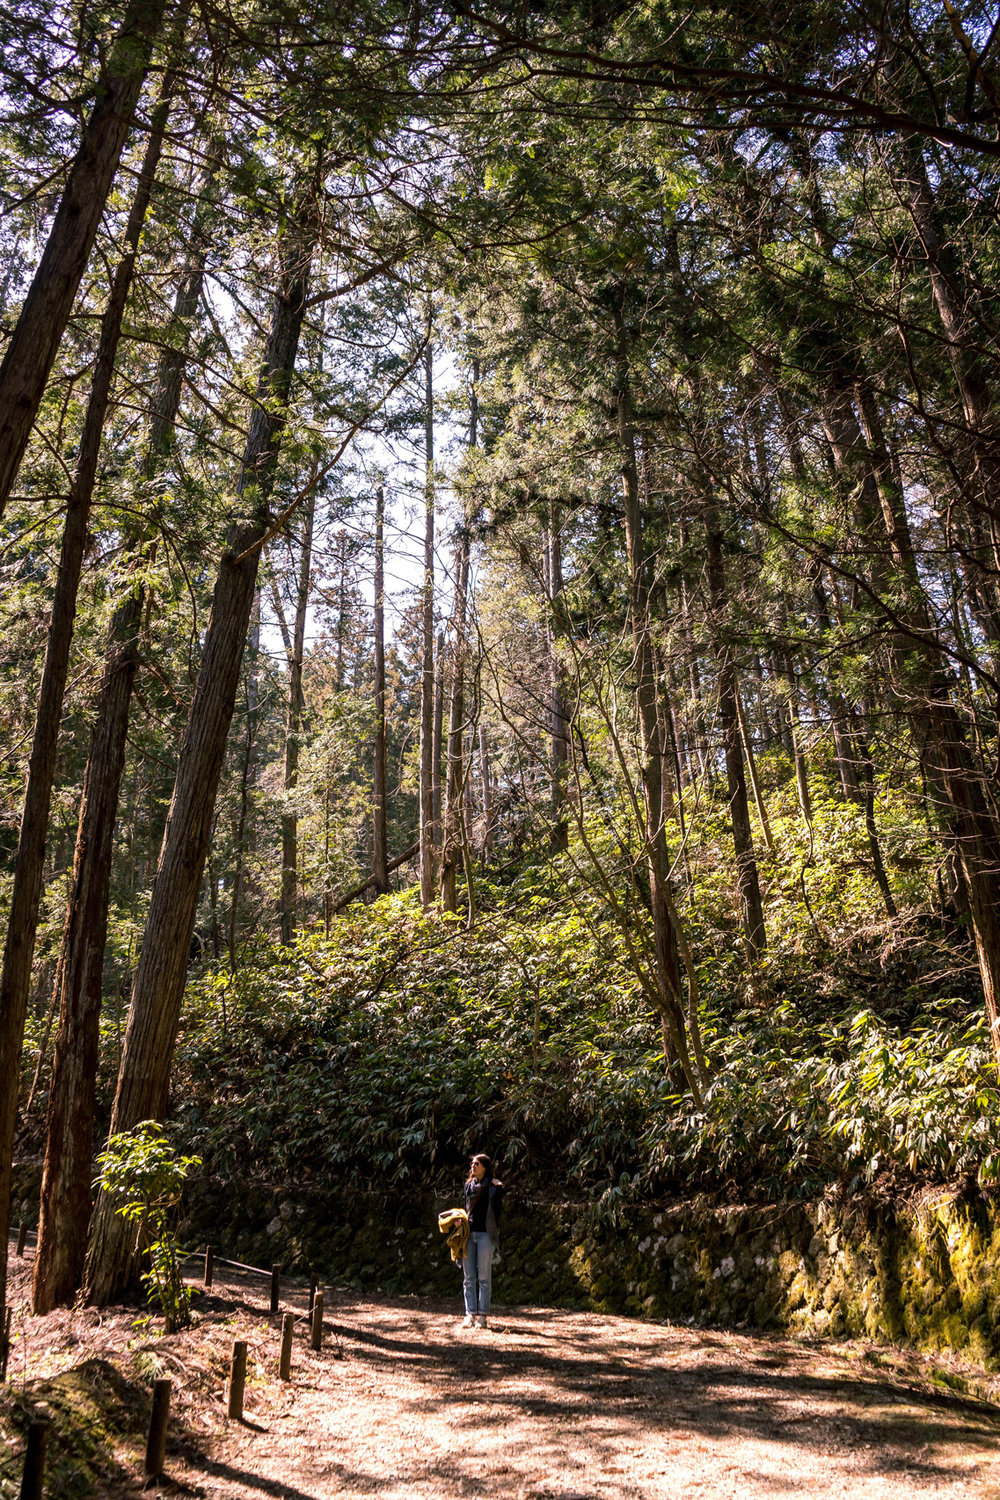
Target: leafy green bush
pixel 140 1171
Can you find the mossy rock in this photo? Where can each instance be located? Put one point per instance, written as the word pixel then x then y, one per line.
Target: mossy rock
pixel 95 1411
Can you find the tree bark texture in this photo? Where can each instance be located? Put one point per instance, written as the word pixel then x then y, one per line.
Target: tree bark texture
pixel 163 961
pixel 68 1170
pixel 428 837
pixel 657 855
pixel 380 840
pixel 729 719
pixel 955 310
pixel 558 712
pixel 922 685
pixel 15 979
pixel 486 785
pixel 451 844
pixel 293 728
pixel 32 349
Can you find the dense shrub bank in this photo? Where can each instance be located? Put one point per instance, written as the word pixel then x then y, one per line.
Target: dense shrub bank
pixel 384 1054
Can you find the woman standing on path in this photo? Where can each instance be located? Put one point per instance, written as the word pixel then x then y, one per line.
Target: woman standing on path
pixel 483 1201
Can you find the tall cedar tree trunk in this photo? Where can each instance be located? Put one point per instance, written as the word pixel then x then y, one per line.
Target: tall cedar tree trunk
pixel 657 855
pixel 68 1169
pixel 558 712
pixel 438 741
pixel 293 727
pixel 244 834
pixel 380 839
pixel 15 980
pixel 955 311
pixel 921 679
pixel 729 719
pixel 936 725
pixel 454 811
pixel 939 726
pixel 32 349
pixel 162 968
pixel 451 846
pixel 428 837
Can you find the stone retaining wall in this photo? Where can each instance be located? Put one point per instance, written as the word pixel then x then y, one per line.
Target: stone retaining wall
pixel 925 1273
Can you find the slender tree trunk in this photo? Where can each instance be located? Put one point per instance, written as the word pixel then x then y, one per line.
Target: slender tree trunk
pixel 700 734
pixel 795 730
pixel 558 713
pixel 487 787
pixel 437 742
pixel 162 969
pixel 242 817
pixel 874 847
pixel 341 675
pixel 454 840
pixel 729 718
pixel 455 768
pixel 665 934
pixel 380 838
pixel 15 979
pixel 755 786
pixel 32 349
pixel 428 835
pixel 293 727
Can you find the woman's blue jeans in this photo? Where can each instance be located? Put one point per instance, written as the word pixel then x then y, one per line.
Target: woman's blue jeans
pixel 477 1271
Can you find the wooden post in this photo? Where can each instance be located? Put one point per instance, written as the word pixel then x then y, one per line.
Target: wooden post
pixel 275 1287
pixel 313 1282
pixel 21 1233
pixel 156 1442
pixel 5 1317
pixel 209 1266
pixel 285 1359
pixel 33 1479
pixel 317 1322
pixel 237 1379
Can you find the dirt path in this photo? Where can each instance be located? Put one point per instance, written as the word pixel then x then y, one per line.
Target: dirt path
pixel 401 1402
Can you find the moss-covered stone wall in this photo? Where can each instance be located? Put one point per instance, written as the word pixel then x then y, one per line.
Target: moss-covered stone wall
pixel 925 1272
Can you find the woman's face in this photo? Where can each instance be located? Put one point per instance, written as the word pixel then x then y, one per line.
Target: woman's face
pixel 478 1171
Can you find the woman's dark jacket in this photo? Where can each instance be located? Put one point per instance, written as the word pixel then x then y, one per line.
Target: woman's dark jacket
pixel 483 1204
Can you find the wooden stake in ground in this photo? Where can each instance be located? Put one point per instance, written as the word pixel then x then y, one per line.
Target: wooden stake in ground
pixel 5 1317
pixel 159 1416
pixel 317 1322
pixel 285 1358
pixel 21 1235
pixel 275 1287
pixel 237 1379
pixel 209 1266
pixel 33 1481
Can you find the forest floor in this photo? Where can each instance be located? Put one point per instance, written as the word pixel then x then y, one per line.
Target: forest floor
pixel 402 1402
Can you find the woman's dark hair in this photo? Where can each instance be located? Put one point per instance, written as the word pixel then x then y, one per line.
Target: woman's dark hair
pixel 484 1161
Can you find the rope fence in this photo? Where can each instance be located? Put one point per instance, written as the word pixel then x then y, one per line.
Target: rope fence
pixel 233 1395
